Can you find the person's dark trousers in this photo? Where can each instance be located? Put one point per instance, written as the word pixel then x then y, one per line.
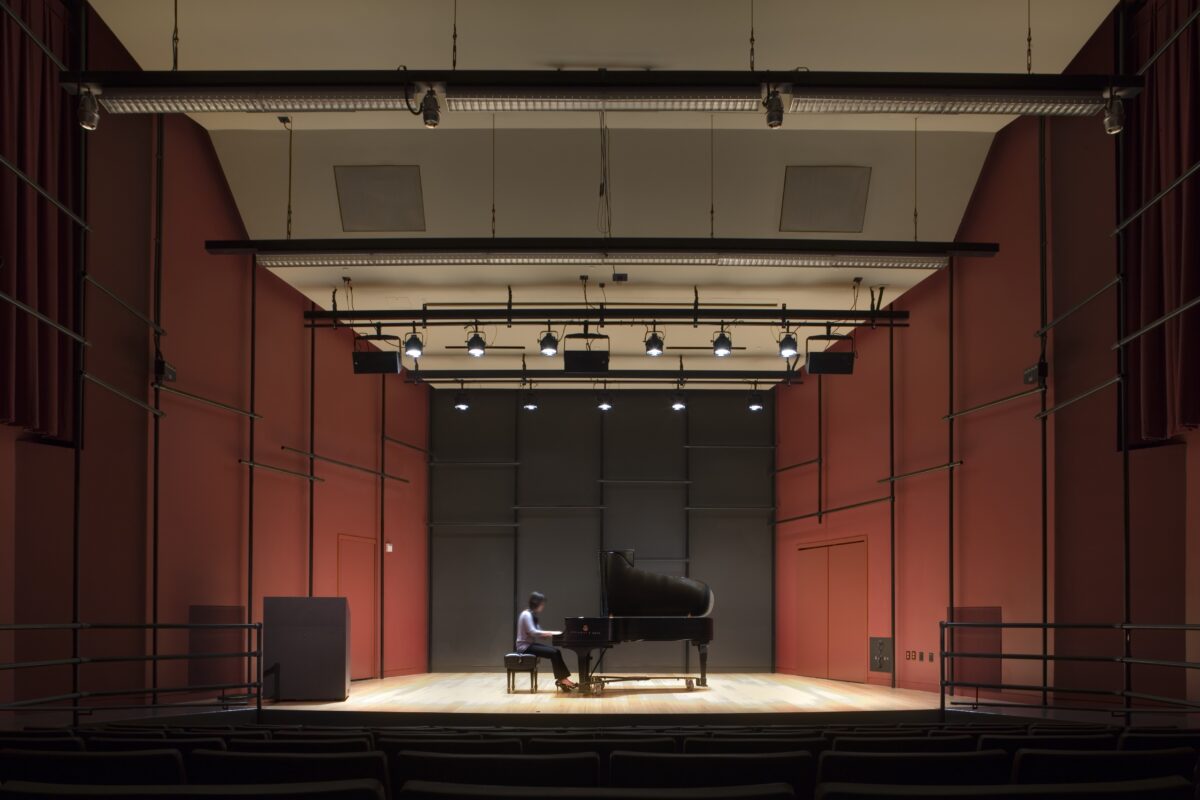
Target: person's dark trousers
pixel 555 657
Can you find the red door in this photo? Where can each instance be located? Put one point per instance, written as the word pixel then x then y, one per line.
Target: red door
pixel 848 643
pixel 356 582
pixel 812 593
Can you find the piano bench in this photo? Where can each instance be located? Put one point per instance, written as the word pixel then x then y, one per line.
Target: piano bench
pixel 521 662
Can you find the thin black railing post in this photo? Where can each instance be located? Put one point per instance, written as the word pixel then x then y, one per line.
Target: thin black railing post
pixel 941 671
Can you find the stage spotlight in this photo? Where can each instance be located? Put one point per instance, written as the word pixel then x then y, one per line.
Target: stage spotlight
pixel 89 111
pixel 756 401
pixel 788 348
pixel 774 106
pixel 460 401
pixel 476 346
pixel 530 402
pixel 654 344
pixel 722 344
pixel 431 114
pixel 604 401
pixel 1114 116
pixel 678 401
pixel 413 346
pixel 549 344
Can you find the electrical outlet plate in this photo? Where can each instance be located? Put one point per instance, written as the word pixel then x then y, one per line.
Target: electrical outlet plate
pixel 881 653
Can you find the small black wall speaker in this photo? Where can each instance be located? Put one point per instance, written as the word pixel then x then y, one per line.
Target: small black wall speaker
pixel 373 362
pixel 830 362
pixel 585 361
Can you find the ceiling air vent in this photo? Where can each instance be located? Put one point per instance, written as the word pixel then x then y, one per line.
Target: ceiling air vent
pixel 824 199
pixel 383 197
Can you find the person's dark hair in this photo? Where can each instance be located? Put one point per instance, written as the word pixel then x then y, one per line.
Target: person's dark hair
pixel 536 599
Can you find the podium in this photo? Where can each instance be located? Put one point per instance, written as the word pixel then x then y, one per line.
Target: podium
pixel 306 648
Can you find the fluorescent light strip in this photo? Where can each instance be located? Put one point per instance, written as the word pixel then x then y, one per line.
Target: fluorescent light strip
pixel 861 261
pixel 142 101
pixel 483 99
pixel 1067 105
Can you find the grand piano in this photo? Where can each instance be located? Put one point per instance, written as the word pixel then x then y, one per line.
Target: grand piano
pixel 639 606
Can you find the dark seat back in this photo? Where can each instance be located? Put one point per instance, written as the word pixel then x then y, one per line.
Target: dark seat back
pixel 318 790
pixel 209 766
pixel 1011 744
pixel 602 747
pixel 904 744
pixel 344 744
pixel 1164 740
pixel 1152 789
pixel 480 746
pixel 675 770
pixel 140 767
pixel 426 790
pixel 981 767
pixel 1074 766
pixel 59 743
pixel 713 744
pixel 102 744
pixel 567 769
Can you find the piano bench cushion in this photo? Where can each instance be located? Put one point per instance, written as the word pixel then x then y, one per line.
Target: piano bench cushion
pixel 520 662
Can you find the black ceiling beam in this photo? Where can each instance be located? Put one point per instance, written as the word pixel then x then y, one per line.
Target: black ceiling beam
pixel 615 375
pixel 608 315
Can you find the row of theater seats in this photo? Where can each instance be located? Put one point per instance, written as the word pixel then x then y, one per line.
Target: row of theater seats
pixel 628 762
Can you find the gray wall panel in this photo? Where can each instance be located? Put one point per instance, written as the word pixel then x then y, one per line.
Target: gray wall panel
pixel 472 570
pixel 732 552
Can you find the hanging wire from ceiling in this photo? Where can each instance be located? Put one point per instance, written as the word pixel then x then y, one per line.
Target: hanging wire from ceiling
pixel 1028 37
pixel 454 39
pixel 752 35
pixel 604 209
pixel 493 176
pixel 175 41
pixel 287 124
pixel 916 218
pixel 712 180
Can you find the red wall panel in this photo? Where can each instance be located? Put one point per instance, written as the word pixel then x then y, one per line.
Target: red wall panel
pixel 809 618
pixel 848 611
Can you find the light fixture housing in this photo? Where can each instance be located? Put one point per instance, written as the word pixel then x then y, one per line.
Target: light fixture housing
pixel 413 346
pixel 788 346
pixel 548 344
pixel 89 111
pixel 722 344
pixel 604 401
pixel 461 403
pixel 755 402
pixel 529 402
pixel 431 113
pixel 1114 116
pixel 476 346
pixel 678 401
pixel 774 106
pixel 654 344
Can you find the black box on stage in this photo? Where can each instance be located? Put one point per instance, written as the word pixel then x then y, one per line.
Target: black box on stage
pixel 373 362
pixel 585 360
pixel 830 362
pixel 306 648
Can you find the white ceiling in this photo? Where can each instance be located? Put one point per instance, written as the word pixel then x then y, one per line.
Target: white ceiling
pixel 547 168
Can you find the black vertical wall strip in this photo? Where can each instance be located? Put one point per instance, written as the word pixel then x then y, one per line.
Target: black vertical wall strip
pixel 774 516
pixel 250 475
pixel 159 180
pixel 516 515
pixel 79 12
pixel 382 502
pixel 687 515
pixel 892 487
pixel 429 532
pixel 950 458
pixel 820 445
pixel 312 442
pixel 1043 421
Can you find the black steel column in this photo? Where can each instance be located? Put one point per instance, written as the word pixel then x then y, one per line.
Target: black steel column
pixel 950 456
pixel 1043 420
pixel 892 486
pixel 250 477
pixel 382 503
pixel 159 180
pixel 820 444
pixel 312 443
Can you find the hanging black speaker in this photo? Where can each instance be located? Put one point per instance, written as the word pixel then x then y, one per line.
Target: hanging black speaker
pixel 374 362
pixel 830 361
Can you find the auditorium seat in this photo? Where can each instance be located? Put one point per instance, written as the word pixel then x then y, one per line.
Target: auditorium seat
pixel 976 767
pixel 566 769
pixel 124 733
pixel 344 744
pixel 1011 744
pixel 1160 740
pixel 323 734
pixel 904 744
pixel 1072 766
pixel 140 767
pixel 428 790
pixel 121 744
pixel 316 790
pixel 22 742
pixel 1173 788
pixel 704 744
pixel 545 746
pixel 479 746
pixel 674 770
pixel 210 766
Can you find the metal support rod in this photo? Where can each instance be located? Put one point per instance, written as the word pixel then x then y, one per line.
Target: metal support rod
pixel 259 465
pixel 383 440
pixel 820 444
pixel 608 314
pixel 927 470
pixel 1047 326
pixel 160 143
pixel 32 184
pixel 1082 396
pixel 33 37
pixel 1153 201
pixel 123 304
pixel 798 464
pixel 994 403
pixel 346 464
pixel 1195 15
pixel 1043 432
pixel 1122 366
pixel 164 387
pixel 402 443
pixel 33 312
pixel 122 626
pixel 558 322
pixel 122 394
pixel 941 671
pixel 835 510
pixel 950 452
pixel 63 662
pixel 312 445
pixel 1142 331
pixel 252 419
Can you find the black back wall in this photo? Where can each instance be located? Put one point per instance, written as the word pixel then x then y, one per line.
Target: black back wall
pixel 525 500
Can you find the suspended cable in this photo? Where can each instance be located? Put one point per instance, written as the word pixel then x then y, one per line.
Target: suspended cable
pixel 493 176
pixel 175 41
pixel 604 209
pixel 1028 37
pixel 751 35
pixel 454 39
pixel 712 181
pixel 287 124
pixel 916 238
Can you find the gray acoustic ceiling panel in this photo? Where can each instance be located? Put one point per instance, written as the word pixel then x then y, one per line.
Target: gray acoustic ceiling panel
pixel 824 199
pixel 380 197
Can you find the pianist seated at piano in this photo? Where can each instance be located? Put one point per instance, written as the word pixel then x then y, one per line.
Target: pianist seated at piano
pixel 528 634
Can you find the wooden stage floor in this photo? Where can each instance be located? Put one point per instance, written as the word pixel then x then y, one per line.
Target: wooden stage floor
pixel 740 693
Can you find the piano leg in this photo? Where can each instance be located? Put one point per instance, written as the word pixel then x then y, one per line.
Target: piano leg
pixel 584 657
pixel 703 650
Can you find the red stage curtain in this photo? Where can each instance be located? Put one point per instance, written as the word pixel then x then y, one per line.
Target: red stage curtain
pixel 1161 140
pixel 37 241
